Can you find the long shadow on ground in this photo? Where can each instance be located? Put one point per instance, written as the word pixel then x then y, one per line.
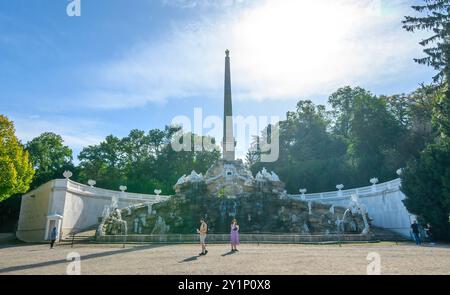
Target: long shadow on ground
pixel 84 257
pixel 189 259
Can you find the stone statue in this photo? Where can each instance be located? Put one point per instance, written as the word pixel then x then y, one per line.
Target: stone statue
pixel 136 225
pixel 234 210
pixel 266 174
pixel 194 177
pixel 275 177
pixel 259 176
pixel 294 218
pixel 114 202
pixel 181 180
pixel 305 228
pixel 160 226
pixel 332 209
pixel 113 225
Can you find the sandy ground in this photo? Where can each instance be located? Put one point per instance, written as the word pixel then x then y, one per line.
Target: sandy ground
pixel 251 259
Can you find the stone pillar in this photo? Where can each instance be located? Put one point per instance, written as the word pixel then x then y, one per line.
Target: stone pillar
pixel 228 143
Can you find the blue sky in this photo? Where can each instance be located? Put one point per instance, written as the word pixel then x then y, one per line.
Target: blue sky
pixel 138 64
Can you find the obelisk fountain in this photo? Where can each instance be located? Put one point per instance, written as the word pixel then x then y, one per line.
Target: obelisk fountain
pixel 228 142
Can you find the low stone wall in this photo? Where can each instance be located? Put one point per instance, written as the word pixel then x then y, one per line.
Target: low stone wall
pixel 244 238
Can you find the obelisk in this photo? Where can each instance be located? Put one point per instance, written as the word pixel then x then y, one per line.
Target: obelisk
pixel 228 142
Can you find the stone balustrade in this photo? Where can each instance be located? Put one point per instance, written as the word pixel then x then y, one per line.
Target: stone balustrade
pixel 346 194
pixel 87 190
pixel 383 201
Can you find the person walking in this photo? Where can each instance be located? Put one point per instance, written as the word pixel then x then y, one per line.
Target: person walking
pixel 202 231
pixel 415 232
pixel 234 235
pixel 429 231
pixel 53 236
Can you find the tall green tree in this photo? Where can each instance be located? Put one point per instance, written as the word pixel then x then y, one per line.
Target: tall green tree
pixel 50 157
pixel 426 184
pixel 342 102
pixel 435 18
pixel 425 180
pixel 16 170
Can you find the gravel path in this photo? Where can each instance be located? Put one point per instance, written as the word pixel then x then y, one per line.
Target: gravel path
pixel 252 259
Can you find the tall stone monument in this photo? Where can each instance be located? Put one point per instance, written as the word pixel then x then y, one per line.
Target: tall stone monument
pixel 228 142
pixel 229 177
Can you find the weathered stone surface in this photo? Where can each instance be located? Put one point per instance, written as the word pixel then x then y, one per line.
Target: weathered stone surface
pixel 256 212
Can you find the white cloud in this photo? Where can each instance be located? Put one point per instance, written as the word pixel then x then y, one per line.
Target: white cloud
pixel 76 133
pixel 280 49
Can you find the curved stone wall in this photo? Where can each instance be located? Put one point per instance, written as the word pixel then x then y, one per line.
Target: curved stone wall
pixel 383 202
pixel 78 206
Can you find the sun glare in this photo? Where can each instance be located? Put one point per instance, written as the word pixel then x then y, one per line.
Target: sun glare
pixel 299 41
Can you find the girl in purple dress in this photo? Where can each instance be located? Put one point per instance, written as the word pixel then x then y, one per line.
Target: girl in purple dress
pixel 234 236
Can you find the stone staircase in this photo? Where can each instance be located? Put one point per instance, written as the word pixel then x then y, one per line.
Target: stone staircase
pixel 376 235
pixel 382 234
pixel 85 236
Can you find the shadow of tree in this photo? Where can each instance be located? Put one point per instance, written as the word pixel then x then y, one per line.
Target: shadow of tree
pixel 84 257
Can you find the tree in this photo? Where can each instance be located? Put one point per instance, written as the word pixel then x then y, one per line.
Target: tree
pixel 142 161
pixel 50 157
pixel 16 170
pixel 102 163
pixel 426 179
pixel 426 184
pixel 371 132
pixel 374 144
pixel 309 155
pixel 342 103
pixel 414 114
pixel 253 155
pixel 437 20
pixel 362 136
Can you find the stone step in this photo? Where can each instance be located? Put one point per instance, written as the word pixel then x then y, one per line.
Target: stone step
pixel 244 238
pixel 377 234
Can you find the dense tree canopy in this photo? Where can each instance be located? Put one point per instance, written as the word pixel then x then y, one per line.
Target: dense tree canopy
pixel 50 157
pixel 16 170
pixel 362 136
pixel 142 161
